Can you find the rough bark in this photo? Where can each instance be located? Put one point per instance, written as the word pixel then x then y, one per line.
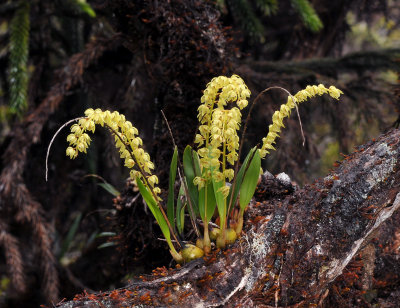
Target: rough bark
pixel 296 242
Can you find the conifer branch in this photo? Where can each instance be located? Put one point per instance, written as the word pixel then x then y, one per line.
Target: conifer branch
pixel 19 50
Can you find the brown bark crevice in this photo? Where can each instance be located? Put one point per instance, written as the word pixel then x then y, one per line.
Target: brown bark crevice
pixel 295 243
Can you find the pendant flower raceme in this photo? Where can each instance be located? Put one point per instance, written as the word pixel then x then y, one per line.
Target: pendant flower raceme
pixel 285 110
pixel 126 138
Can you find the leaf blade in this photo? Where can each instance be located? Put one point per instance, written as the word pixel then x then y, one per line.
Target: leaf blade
pixel 207 202
pixel 109 188
pixel 190 166
pixel 220 200
pixel 249 183
pixel 239 179
pixel 180 210
pixel 152 204
pixel 171 194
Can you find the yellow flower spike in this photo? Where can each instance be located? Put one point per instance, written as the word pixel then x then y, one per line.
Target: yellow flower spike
pixel 285 109
pixel 125 140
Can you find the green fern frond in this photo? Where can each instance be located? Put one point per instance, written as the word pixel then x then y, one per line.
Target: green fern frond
pixel 19 49
pixel 308 15
pixel 244 15
pixel 268 7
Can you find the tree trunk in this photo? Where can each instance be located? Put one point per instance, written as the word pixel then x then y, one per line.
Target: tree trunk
pixel 296 242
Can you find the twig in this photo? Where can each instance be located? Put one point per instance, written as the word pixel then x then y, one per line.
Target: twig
pixel 183 180
pixel 52 140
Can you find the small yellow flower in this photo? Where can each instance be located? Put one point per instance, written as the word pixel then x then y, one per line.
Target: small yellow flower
pixel 242 103
pixel 81 147
pixel 218 176
pixel 229 174
pixel 72 139
pixel 199 182
pixel 203 152
pixel 129 162
pixel 134 174
pixel 334 92
pixel 157 191
pixel 76 129
pixel 224 190
pixel 153 179
pixel 71 152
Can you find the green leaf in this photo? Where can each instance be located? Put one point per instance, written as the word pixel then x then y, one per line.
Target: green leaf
pixel 86 8
pixel 106 244
pixel 207 202
pixel 109 188
pixel 105 234
pixel 152 204
pixel 171 195
pixel 221 201
pixel 191 169
pixel 249 184
pixel 239 178
pixel 180 210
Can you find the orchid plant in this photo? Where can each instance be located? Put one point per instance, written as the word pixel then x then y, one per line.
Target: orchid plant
pixel 210 179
